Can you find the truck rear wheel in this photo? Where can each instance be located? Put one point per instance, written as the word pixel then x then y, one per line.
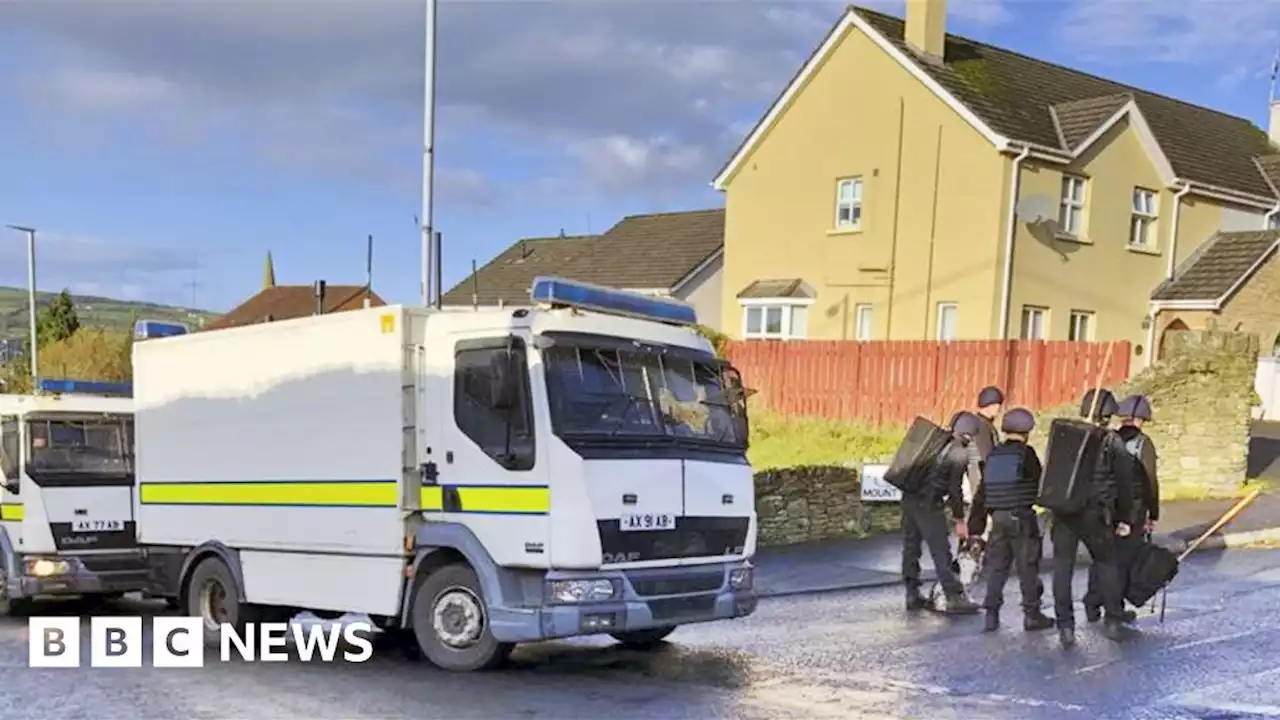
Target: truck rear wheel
pixel 644 639
pixel 211 594
pixel 451 621
pixel 10 607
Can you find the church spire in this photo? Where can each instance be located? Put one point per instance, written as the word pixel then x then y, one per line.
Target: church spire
pixel 269 273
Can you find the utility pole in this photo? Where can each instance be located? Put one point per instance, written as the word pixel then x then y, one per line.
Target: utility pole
pixel 31 294
pixel 428 150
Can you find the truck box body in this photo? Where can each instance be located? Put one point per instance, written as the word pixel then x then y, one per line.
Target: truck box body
pixel 323 450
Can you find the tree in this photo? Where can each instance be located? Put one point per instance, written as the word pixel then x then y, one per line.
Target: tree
pixel 57 322
pixel 95 355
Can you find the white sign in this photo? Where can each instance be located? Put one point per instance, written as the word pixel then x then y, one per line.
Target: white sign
pixel 874 488
pixel 179 642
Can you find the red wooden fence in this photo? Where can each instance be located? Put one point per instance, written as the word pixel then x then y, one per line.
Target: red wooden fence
pixel 889 383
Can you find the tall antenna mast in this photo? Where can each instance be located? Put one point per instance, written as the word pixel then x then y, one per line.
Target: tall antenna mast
pixel 1275 69
pixel 428 148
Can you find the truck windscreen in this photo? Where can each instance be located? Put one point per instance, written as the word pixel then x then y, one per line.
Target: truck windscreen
pixel 98 446
pixel 618 393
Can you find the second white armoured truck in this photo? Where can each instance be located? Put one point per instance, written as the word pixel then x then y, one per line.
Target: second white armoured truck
pixel 470 479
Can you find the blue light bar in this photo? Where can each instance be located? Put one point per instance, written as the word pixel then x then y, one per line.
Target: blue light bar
pixel 84 387
pixel 585 296
pixel 145 329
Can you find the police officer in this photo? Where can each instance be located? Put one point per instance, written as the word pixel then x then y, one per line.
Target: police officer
pixel 1096 527
pixel 1102 411
pixel 924 522
pixel 990 401
pixel 1011 481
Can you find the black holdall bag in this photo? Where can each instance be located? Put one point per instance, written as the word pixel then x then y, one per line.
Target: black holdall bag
pixel 917 455
pixel 1151 568
pixel 1070 458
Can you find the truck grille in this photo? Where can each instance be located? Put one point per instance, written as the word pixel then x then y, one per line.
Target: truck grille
pixel 692 537
pixel 112 563
pixel 648 585
pixel 682 607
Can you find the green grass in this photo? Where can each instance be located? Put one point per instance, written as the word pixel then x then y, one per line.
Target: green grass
pixel 94 312
pixel 1173 491
pixel 778 442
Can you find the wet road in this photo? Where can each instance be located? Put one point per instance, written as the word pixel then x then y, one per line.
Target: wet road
pixel 847 655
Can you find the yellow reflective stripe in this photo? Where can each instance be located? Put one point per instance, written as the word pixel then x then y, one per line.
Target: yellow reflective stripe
pixel 492 499
pixel 11 511
pixel 380 493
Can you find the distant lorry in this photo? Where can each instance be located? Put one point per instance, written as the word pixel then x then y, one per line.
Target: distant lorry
pixel 470 480
pixel 66 503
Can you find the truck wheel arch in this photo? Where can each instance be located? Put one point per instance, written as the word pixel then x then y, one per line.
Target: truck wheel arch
pixel 440 544
pixel 8 556
pixel 199 554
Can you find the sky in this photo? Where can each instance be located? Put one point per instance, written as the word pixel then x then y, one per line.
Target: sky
pixel 163 147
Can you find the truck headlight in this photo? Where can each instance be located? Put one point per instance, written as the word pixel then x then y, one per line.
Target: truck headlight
pixel 47 567
pixel 741 578
pixel 578 591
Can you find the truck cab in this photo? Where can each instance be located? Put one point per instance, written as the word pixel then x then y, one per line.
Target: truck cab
pixel 66 502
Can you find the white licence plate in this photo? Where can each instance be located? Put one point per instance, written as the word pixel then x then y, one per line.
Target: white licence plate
pixel 97 525
pixel 647 521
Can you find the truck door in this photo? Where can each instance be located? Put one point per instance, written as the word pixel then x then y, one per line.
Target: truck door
pixel 10 484
pixel 490 474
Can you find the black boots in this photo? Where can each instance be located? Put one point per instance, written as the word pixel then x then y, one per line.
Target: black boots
pixel 1035 621
pixel 960 605
pixel 1067 636
pixel 915 601
pixel 1093 613
pixel 1116 630
pixel 1032 621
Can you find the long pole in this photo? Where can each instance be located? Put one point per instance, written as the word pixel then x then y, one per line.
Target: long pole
pixel 31 295
pixel 428 148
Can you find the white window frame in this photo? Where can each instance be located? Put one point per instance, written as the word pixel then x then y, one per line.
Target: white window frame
pixel 853 204
pixel 1073 198
pixel 1029 311
pixel 787 307
pixel 864 331
pixel 1143 220
pixel 1090 325
pixel 955 319
pixel 1273 222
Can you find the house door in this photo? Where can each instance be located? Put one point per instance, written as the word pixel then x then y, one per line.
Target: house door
pixel 1176 326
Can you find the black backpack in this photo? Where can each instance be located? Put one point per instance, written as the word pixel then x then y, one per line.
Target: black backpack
pixel 1152 568
pixel 917 455
pixel 1070 459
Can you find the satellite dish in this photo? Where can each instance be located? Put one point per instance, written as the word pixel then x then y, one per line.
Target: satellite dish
pixel 1036 208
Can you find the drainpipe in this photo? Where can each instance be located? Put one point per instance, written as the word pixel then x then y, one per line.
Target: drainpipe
pixel 1173 232
pixel 1015 178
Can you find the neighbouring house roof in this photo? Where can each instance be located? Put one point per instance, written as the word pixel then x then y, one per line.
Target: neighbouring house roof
pixel 641 252
pixel 1055 108
pixel 284 302
pixel 1219 266
pixel 777 289
pixel 506 278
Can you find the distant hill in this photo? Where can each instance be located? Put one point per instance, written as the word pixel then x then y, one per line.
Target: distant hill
pixel 94 312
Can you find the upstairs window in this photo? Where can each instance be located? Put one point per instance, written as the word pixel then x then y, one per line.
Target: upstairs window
pixel 849 203
pixel 1071 212
pixel 1142 224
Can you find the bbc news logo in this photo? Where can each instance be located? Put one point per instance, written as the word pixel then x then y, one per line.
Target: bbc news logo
pixel 178 642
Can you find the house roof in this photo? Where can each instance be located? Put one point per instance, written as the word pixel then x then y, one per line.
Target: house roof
pixel 1029 101
pixel 284 302
pixel 507 277
pixel 776 289
pixel 641 252
pixel 1219 266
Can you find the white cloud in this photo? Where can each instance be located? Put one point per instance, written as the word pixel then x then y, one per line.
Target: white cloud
pixel 631 89
pixel 1187 31
pixel 95 266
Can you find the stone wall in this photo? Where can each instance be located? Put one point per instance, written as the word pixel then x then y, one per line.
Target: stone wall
pixel 1201 393
pixel 803 504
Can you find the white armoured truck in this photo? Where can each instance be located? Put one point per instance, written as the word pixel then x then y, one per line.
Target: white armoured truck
pixel 471 479
pixel 66 502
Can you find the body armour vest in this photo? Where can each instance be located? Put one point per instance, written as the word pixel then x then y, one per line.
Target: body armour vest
pixel 1006 486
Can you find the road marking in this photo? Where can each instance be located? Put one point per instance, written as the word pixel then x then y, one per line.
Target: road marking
pixel 1221 638
pixel 1201 699
pixel 1233 708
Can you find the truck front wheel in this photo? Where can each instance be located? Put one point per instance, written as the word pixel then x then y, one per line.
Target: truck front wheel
pixel 212 596
pixel 451 622
pixel 644 639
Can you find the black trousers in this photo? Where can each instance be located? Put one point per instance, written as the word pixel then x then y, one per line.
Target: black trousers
pixel 925 523
pixel 1015 543
pixel 1069 531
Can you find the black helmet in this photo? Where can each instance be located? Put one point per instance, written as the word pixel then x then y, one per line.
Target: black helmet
pixel 1105 408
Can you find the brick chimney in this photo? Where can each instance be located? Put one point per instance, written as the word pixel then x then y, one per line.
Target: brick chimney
pixel 927 26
